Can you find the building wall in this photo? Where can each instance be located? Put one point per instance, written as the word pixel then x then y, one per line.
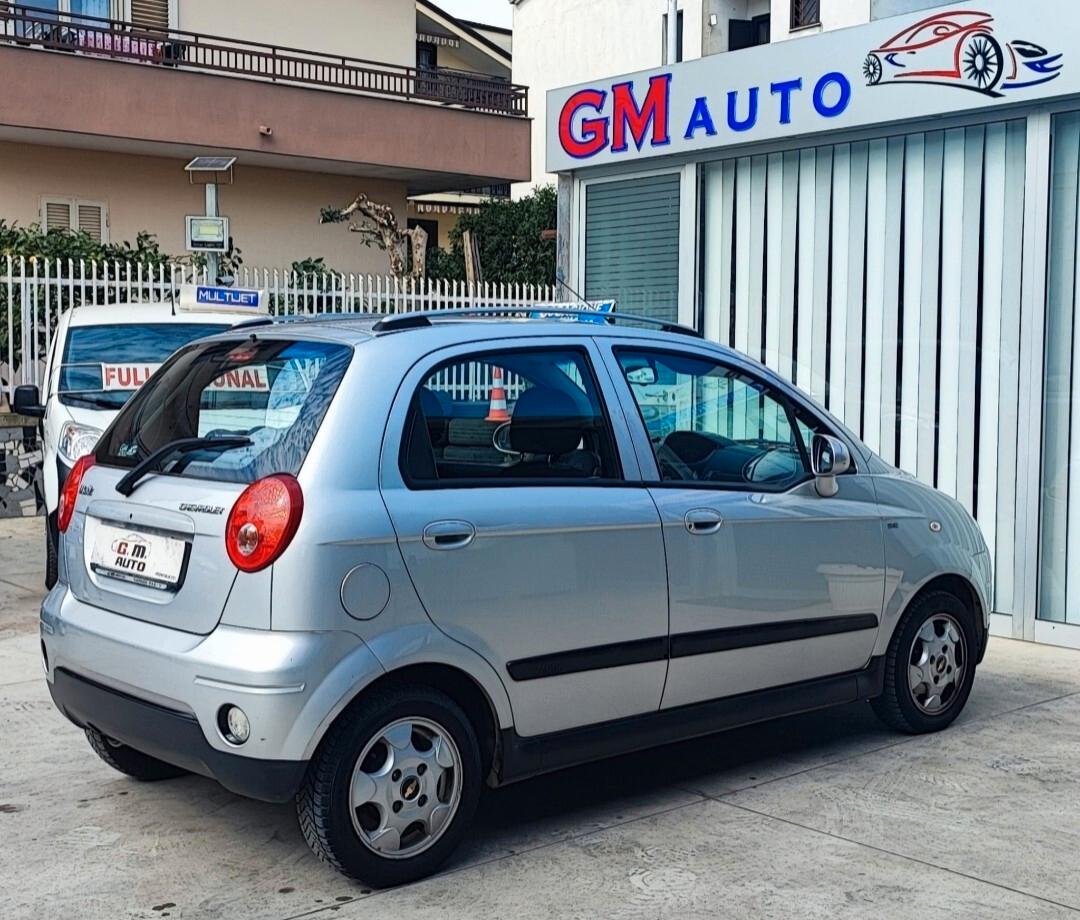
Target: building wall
pixel 879 9
pixel 377 30
pixel 273 213
pixel 715 38
pixel 555 44
pixel 835 14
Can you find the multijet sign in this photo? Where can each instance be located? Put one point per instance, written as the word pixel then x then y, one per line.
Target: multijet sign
pixel 927 64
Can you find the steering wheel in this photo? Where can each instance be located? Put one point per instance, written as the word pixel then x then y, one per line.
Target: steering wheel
pixel 501 434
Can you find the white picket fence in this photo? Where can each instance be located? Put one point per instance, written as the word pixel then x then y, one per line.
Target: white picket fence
pixel 33 292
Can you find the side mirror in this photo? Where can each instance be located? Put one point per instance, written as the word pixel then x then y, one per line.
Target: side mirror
pixel 27 401
pixel 829 458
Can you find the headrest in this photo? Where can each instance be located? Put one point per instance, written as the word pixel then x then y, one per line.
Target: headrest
pixel 546 422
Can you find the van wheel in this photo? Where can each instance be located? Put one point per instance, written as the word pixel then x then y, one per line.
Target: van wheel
pixel 930 665
pixel 393 787
pixel 51 553
pixel 127 760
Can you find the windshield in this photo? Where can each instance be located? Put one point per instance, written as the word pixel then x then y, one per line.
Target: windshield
pixel 274 392
pixel 103 365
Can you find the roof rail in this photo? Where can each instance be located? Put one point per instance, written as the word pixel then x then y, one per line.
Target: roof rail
pixel 422 318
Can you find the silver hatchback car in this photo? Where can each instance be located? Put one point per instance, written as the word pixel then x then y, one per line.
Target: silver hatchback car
pixel 373 564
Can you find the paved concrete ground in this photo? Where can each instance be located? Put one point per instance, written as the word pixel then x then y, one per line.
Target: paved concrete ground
pixel 825 815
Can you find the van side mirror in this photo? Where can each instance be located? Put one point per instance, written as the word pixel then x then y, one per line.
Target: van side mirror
pixel 27 401
pixel 829 458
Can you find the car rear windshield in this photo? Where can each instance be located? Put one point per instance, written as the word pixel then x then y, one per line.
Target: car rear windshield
pixel 103 365
pixel 274 392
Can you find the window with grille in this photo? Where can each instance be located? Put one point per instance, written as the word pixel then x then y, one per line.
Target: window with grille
pixel 805 13
pixel 90 217
pixel 150 14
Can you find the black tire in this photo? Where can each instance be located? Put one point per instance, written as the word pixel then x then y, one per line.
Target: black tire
pixel 322 802
pixel 127 760
pixel 51 554
pixel 896 706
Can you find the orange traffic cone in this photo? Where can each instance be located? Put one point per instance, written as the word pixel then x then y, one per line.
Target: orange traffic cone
pixel 498 411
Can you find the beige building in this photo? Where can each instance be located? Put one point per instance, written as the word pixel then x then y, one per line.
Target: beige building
pixel 107 100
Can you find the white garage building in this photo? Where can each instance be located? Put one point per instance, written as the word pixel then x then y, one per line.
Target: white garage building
pixel 888 215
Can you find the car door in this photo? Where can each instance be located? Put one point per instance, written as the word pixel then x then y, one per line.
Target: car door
pixel 770 583
pixel 514 491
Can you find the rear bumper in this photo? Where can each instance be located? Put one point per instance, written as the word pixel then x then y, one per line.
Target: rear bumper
pixel 161 690
pixel 172 736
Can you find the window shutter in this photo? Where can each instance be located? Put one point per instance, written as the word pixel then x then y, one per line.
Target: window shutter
pixel 57 215
pixel 150 14
pixel 632 245
pixel 91 220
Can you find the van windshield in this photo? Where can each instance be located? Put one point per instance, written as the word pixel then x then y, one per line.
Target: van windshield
pixel 273 392
pixel 103 365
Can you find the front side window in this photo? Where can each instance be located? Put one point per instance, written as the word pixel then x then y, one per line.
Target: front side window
pixel 506 417
pixel 711 424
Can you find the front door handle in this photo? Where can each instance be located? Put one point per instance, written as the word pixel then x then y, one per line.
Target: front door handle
pixel 448 534
pixel 703 521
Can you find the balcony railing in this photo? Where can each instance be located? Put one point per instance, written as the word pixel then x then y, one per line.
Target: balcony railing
pixel 124 41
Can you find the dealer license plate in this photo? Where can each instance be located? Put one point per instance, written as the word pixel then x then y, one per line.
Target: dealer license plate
pixel 148 559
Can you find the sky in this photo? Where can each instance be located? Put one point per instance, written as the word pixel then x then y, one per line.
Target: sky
pixel 492 12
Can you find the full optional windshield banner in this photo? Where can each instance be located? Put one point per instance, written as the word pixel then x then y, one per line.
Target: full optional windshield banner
pixel 952 60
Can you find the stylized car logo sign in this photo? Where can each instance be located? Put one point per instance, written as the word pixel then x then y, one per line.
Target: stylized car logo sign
pixel 960 49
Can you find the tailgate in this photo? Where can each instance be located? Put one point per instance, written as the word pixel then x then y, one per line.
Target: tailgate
pixel 158 555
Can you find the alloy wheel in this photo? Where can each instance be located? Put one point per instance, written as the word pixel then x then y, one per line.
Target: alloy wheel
pixel 405 788
pixel 937 664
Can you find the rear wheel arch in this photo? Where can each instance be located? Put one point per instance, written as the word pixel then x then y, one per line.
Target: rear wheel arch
pixel 457 684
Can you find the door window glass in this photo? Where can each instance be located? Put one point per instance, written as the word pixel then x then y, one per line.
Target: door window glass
pixel 711 424
pixel 531 415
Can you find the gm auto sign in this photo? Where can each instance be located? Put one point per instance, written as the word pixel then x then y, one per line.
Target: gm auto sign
pixel 954 60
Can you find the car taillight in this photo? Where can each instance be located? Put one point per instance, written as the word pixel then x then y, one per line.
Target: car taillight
pixel 70 493
pixel 263 521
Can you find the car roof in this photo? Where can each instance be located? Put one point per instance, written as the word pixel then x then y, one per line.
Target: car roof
pixel 436 328
pixel 118 314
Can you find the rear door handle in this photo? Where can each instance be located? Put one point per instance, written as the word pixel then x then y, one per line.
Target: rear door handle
pixel 703 521
pixel 448 534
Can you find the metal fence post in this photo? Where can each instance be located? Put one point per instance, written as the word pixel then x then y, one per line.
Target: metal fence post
pixel 26 324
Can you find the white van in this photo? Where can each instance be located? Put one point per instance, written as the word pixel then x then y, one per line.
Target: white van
pixel 99 356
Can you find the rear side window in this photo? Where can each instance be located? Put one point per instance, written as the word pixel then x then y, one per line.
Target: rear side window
pixel 506 417
pixel 274 392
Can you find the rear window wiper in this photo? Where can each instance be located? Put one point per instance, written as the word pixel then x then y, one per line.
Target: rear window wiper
pixel 162 455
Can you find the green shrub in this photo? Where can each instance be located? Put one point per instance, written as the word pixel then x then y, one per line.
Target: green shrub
pixel 508 233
